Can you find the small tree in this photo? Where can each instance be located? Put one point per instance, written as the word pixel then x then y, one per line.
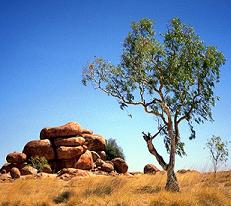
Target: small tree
pixel 113 150
pixel 218 152
pixel 172 80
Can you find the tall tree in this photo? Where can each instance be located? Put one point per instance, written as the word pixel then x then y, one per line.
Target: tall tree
pixel 172 79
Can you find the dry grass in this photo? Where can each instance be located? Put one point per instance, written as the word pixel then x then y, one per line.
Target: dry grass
pixel 140 190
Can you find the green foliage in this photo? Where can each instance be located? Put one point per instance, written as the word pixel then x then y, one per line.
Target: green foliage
pixel 218 151
pixel 38 163
pixel 113 150
pixel 172 78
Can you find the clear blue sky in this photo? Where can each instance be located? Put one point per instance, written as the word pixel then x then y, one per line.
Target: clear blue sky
pixel 45 44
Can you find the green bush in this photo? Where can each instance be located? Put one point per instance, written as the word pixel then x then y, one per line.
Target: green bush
pixel 38 163
pixel 113 150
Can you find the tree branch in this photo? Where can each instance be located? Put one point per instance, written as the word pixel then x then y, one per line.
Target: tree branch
pixel 190 109
pixel 154 152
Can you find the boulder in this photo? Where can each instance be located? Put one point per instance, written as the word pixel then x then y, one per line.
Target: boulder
pixel 120 165
pixel 46 169
pixel 95 155
pixel 69 152
pixel 107 167
pixel 41 148
pixel 15 173
pixel 94 142
pixel 102 155
pixel 6 168
pixel 28 170
pixel 99 162
pixel 70 129
pixel 85 161
pixel 86 131
pixel 70 142
pixel 16 157
pixel 150 169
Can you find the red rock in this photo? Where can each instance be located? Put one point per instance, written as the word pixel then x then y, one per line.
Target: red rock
pixel 46 169
pixel 28 170
pixel 99 162
pixel 71 142
pixel 15 173
pixel 70 163
pixel 41 148
pixel 102 155
pixel 69 173
pixel 150 169
pixel 85 161
pixel 107 167
pixel 16 157
pixel 86 131
pixel 69 152
pixel 95 156
pixel 64 163
pixel 70 129
pixel 94 142
pixel 120 165
pixel 6 168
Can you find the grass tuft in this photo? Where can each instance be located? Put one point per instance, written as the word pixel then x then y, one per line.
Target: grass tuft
pixel 62 197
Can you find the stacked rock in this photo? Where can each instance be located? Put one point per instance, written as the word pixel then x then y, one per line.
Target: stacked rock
pixel 67 146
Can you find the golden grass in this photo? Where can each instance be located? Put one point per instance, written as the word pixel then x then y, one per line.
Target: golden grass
pixel 140 190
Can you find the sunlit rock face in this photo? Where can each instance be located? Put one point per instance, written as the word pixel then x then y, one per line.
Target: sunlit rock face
pixel 65 146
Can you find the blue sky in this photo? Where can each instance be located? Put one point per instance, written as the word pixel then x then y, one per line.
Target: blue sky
pixel 44 46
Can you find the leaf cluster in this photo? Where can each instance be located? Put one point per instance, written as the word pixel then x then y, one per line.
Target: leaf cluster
pixel 113 150
pixel 218 149
pixel 38 163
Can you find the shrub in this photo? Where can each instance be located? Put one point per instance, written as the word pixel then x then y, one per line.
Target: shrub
pixel 63 197
pixel 38 163
pixel 113 150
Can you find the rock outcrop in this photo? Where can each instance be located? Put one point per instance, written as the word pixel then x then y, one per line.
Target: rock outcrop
pixel 67 146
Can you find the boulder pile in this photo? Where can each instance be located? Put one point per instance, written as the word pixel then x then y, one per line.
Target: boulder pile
pixel 67 146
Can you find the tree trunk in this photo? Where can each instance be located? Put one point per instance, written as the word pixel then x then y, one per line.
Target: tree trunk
pixel 172 184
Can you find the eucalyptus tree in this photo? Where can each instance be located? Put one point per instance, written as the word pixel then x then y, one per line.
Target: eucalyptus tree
pixel 218 151
pixel 172 77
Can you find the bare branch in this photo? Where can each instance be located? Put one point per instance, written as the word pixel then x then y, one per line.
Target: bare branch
pixel 154 152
